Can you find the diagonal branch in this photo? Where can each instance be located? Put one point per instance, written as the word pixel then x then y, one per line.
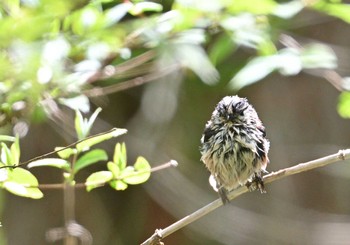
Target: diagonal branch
pixel 302 167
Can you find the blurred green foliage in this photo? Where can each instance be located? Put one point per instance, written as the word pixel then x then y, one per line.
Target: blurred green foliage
pixel 53 52
pixel 72 159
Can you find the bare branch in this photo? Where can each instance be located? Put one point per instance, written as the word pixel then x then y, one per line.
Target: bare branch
pixel 302 167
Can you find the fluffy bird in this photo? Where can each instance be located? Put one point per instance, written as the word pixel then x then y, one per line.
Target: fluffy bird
pixel 234 147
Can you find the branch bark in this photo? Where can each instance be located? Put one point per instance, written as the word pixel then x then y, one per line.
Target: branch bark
pixel 159 234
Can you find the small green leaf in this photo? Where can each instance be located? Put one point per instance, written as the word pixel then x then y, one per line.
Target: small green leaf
pixel 139 174
pixel 98 179
pixel 118 185
pixel 142 7
pixel 89 158
pixel 7 138
pixel 15 152
pixel 50 162
pixel 21 182
pixel 83 125
pixel 6 157
pixel 344 105
pixel 119 156
pixel 86 144
pixel 111 166
pixel 66 153
pixel 79 124
pixel 92 119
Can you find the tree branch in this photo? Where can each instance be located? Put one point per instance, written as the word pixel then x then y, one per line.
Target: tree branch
pixel 302 167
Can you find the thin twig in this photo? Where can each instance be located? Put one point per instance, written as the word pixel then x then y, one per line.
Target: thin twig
pixel 302 167
pixel 171 163
pixel 56 151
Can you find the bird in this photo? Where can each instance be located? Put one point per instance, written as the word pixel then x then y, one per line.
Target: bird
pixel 234 147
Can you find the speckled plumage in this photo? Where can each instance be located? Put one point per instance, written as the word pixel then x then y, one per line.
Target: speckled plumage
pixel 234 147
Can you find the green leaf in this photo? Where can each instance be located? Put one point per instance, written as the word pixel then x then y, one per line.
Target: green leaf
pixel 253 71
pixel 119 157
pixel 79 124
pixel 318 56
pixel 86 144
pixel 221 49
pixel 6 157
pixel 92 119
pixel 80 102
pixel 98 179
pixel 21 182
pixel 253 6
pixel 115 14
pixel 83 125
pixel 15 152
pixel 339 10
pixel 50 162
pixel 89 158
pixel 195 58
pixel 139 174
pixel 289 9
pixel 344 105
pixel 111 166
pixel 118 185
pixel 66 153
pixel 142 7
pixel 7 138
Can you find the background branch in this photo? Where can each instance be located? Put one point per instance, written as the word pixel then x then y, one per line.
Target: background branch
pixel 302 167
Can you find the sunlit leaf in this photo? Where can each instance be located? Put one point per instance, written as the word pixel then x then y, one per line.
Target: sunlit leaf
pixel 288 62
pixel 195 58
pixel 118 185
pixel 21 182
pixel 111 166
pixel 15 152
pixel 253 6
pixel 3 173
pixel 7 138
pixel 318 56
pixel 339 10
pixel 142 7
pixel 344 105
pixel 80 103
pixel 6 156
pixel 289 9
pixel 79 125
pixel 98 179
pixel 50 162
pixel 86 144
pixel 92 119
pixel 115 14
pixel 89 158
pixel 119 157
pixel 255 70
pixel 139 174
pixel 66 153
